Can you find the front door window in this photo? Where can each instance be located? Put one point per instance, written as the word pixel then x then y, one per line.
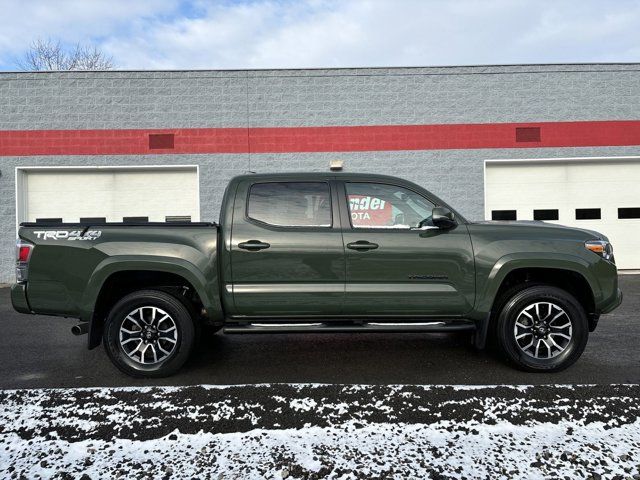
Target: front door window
pixel 375 205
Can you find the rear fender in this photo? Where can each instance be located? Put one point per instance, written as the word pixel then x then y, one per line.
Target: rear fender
pixel 207 291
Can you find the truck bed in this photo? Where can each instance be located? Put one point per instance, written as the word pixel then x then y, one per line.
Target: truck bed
pixel 71 262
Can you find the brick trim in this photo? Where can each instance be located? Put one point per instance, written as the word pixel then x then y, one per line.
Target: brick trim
pixel 319 139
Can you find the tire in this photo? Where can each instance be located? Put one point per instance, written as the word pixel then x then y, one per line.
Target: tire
pixel 542 329
pixel 149 333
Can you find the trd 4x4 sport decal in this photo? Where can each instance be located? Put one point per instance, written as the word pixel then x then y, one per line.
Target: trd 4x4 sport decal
pixel 67 234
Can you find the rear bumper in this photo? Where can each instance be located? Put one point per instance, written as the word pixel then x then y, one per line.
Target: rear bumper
pixel 19 298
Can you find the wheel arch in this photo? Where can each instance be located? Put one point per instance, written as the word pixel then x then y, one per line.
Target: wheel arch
pixel 570 281
pixel 568 273
pixel 554 269
pixel 115 278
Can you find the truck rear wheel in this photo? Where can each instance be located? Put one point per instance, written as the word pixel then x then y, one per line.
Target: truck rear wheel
pixel 542 329
pixel 149 333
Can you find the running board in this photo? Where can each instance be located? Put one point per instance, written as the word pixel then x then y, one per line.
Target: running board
pixel 436 326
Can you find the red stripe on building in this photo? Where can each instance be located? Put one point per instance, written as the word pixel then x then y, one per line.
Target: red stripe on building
pixel 319 139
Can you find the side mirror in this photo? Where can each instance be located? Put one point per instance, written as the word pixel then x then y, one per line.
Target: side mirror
pixel 443 218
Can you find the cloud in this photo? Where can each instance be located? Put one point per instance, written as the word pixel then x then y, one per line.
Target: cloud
pixel 70 21
pixel 167 34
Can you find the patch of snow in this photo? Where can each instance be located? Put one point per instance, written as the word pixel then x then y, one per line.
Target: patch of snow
pixel 374 450
pixel 319 431
pixel 303 404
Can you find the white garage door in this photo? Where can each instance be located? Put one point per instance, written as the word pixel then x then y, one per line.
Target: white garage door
pixel 601 195
pixel 110 193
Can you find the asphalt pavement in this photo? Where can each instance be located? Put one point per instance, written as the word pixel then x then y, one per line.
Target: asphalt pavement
pixel 38 351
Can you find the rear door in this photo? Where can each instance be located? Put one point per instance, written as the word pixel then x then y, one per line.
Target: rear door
pixel 287 255
pixel 394 269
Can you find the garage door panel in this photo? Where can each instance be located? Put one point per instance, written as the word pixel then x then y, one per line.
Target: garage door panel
pixel 65 205
pixel 567 186
pixel 113 194
pixel 595 172
pixel 45 181
pixel 520 173
pixel 155 180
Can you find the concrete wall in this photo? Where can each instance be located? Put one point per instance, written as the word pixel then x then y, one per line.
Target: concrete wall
pixel 75 100
pixel 192 99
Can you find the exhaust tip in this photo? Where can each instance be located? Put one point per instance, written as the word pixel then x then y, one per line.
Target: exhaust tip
pixel 80 329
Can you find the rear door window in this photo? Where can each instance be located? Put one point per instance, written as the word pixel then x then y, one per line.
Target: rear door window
pixel 291 204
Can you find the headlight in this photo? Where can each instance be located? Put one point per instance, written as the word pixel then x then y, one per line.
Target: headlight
pixel 600 247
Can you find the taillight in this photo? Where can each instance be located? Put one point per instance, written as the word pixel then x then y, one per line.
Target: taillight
pixel 23 254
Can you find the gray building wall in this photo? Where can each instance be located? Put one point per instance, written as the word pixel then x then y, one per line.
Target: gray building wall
pixel 291 98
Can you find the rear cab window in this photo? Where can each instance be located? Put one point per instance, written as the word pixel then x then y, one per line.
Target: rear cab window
pixel 290 204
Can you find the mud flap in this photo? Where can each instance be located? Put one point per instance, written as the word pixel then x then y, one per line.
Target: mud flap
pixel 480 336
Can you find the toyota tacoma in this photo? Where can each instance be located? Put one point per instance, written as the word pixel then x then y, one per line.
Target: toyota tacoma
pixel 319 252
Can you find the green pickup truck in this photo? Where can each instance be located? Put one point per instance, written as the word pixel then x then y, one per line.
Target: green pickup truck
pixel 319 252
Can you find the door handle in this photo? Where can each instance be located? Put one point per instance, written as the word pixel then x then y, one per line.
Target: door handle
pixel 253 245
pixel 362 245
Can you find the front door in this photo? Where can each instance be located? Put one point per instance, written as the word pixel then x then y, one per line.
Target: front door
pixel 287 256
pixel 394 269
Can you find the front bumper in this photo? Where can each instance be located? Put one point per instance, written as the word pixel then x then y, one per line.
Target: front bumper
pixel 19 298
pixel 613 303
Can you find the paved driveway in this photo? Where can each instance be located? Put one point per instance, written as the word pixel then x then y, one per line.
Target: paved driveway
pixel 38 351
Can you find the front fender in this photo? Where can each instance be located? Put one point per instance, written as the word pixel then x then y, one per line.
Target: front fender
pixel 489 284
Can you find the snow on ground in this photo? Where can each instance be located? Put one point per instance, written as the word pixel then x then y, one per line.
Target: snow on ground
pixel 322 431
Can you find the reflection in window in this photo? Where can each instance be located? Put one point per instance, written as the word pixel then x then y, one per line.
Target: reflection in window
pixel 291 204
pixel 375 205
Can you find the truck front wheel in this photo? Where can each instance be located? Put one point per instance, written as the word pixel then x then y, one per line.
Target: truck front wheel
pixel 542 329
pixel 149 333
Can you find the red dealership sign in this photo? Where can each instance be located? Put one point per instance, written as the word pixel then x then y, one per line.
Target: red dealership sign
pixel 370 211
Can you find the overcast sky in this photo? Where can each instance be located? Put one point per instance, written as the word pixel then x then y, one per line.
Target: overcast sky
pixel 173 34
